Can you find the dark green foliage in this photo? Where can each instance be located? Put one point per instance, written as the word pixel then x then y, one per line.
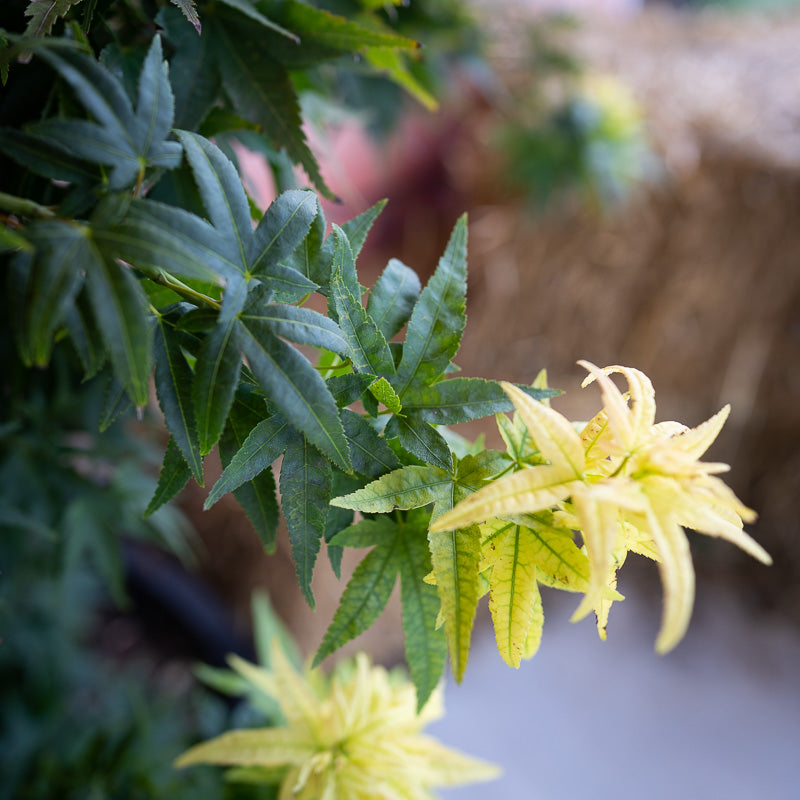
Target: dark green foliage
pixel 131 248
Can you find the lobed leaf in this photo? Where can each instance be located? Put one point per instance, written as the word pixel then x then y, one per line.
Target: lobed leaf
pixel 223 196
pixel 365 597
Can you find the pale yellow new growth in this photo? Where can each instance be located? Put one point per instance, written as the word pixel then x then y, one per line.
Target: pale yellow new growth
pixel 627 484
pixel 355 737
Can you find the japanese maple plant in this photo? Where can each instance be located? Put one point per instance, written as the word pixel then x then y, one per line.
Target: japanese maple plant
pixel 128 232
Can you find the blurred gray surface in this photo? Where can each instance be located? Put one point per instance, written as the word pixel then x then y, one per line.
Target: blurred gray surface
pixel 719 717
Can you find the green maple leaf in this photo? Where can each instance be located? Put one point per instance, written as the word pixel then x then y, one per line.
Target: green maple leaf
pixel 128 140
pixel 456 553
pixel 249 322
pixel 400 548
pixel 417 390
pixel 49 283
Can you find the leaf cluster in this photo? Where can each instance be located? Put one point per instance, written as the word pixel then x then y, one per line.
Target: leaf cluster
pixel 130 239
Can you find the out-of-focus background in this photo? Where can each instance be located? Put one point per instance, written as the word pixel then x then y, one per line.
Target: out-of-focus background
pixel 632 176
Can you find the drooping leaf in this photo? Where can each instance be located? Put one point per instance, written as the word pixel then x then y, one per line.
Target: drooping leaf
pixel 216 376
pixel 85 337
pixel 392 299
pixel 45 286
pixel 368 590
pixel 455 556
pixel 262 91
pixel 400 547
pixel 174 475
pixel 256 491
pixel 174 390
pixel 426 646
pixel 513 592
pixel 121 312
pixel 305 491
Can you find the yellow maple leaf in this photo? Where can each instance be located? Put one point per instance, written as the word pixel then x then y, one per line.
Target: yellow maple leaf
pixel 627 484
pixel 355 737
